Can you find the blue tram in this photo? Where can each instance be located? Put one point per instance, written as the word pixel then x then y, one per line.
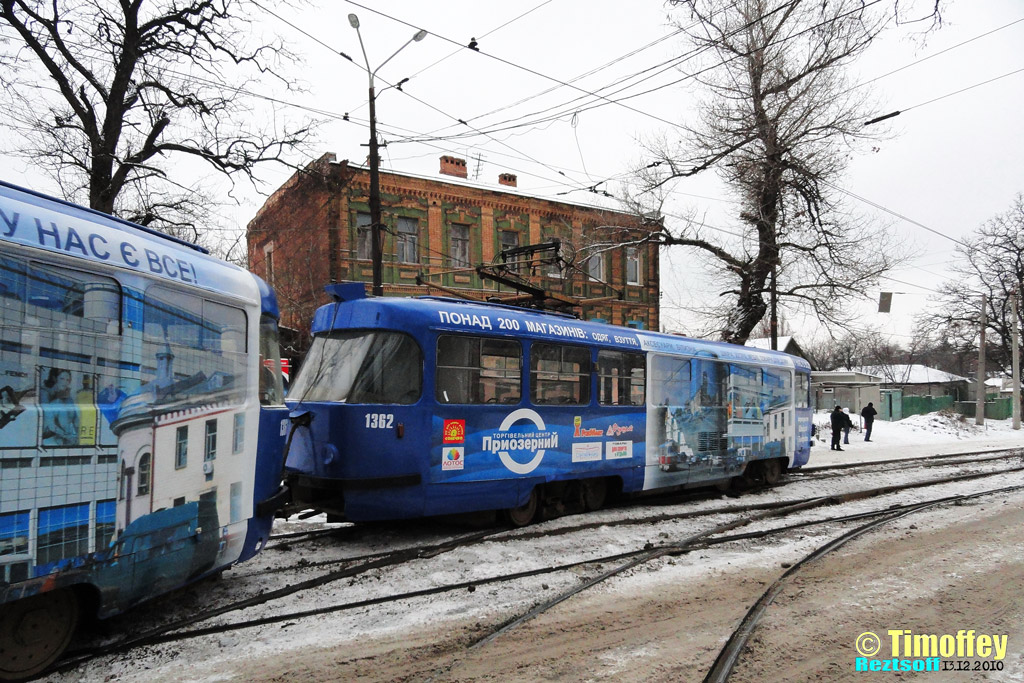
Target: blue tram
pixel 409 407
pixel 141 419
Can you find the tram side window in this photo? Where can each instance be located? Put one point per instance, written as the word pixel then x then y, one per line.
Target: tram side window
pixel 621 378
pixel 206 340
pixel 559 374
pixel 670 381
pixel 478 370
pixel 778 387
pixel 73 300
pixel 803 390
pixel 361 367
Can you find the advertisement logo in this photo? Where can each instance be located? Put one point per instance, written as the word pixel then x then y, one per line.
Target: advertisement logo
pixel 579 431
pixel 453 458
pixel 526 444
pixel 620 449
pixel 616 430
pixel 586 452
pixel 454 431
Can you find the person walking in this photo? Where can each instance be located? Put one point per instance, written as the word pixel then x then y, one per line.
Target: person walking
pixel 839 420
pixel 868 413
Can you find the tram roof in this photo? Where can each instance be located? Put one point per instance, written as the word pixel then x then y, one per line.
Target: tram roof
pixel 354 310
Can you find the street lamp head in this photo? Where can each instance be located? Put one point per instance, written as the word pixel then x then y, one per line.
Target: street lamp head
pixel 353 21
pixel 420 35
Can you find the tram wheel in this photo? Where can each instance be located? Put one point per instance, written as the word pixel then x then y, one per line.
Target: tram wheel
pixel 772 471
pixel 524 514
pixel 35 631
pixel 595 492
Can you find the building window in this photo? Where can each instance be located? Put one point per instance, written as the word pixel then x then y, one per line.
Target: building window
pixel 555 267
pixel 510 240
pixel 459 238
pixel 105 512
pixel 364 242
pixel 632 266
pixel 181 448
pixel 595 267
pixel 145 473
pixel 14 533
pixel 63 532
pixel 408 240
pixel 268 257
pixel 211 440
pixel 238 434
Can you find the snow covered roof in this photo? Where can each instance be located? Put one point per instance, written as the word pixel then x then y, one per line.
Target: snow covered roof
pixel 911 374
pixel 766 343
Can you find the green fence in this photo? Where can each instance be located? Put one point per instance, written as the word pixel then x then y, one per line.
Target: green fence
pixel 922 405
pixel 998 409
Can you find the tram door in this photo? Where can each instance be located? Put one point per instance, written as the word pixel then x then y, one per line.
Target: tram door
pixel 709 410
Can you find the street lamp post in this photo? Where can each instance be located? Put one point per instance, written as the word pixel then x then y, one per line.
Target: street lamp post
pixel 375 212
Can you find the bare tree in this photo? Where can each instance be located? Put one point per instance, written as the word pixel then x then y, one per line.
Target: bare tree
pixel 991 263
pixel 111 97
pixel 778 125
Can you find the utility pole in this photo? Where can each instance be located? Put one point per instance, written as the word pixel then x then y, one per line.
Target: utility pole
pixel 979 416
pixel 1015 321
pixel 376 253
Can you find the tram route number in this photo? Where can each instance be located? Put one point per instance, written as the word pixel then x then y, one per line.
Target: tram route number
pixel 380 420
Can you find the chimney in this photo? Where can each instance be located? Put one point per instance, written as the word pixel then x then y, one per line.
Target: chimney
pixel 507 179
pixel 454 166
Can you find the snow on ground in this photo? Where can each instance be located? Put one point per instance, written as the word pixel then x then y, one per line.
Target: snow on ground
pixel 916 436
pixel 224 657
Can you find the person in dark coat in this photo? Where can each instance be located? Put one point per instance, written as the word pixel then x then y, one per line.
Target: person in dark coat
pixel 839 420
pixel 868 414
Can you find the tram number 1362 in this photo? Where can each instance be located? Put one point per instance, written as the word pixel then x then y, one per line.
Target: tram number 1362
pixel 380 420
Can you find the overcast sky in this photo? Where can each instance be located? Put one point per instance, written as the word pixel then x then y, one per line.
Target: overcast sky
pixel 954 160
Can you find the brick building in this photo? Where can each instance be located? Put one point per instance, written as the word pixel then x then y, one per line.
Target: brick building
pixel 443 236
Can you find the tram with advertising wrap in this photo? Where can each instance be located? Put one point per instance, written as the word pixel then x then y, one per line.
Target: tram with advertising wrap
pixel 141 419
pixel 411 407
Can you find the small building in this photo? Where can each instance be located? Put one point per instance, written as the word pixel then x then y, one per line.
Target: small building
pixel 921 380
pixel 847 388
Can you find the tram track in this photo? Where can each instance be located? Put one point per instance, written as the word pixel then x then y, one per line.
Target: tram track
pixel 588 522
pixel 730 653
pixel 172 632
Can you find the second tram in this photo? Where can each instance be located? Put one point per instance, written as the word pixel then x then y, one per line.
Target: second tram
pixel 430 406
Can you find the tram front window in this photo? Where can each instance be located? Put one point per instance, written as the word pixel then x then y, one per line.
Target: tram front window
pixel 271 383
pixel 361 367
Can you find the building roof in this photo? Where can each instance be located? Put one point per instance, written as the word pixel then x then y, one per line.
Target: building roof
pixel 785 344
pixel 911 374
pixel 766 342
